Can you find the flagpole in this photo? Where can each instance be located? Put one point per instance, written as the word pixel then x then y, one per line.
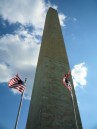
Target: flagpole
pixel 74 110
pixel 17 119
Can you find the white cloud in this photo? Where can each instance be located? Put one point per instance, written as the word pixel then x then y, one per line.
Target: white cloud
pixel 62 18
pixel 50 5
pixel 15 91
pixel 19 55
pixel 4 72
pixel 79 74
pixel 25 12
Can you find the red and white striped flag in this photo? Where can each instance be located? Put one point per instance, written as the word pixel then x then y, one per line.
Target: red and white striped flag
pixel 17 83
pixel 66 81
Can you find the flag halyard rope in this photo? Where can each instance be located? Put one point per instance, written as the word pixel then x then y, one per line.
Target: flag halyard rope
pixel 74 110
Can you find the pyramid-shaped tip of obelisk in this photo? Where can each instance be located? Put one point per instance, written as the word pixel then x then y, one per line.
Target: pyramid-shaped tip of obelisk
pixel 52 9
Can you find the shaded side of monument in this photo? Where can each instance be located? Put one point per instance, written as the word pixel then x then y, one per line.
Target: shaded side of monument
pixel 51 104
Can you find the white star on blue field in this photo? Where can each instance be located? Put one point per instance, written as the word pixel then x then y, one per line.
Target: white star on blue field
pixel 21 27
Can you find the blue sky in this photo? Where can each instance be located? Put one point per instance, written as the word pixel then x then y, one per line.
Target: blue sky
pixel 21 27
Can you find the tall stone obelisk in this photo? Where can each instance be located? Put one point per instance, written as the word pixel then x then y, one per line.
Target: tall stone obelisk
pixel 51 104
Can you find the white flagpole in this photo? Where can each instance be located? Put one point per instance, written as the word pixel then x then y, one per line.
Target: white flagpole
pixel 74 110
pixel 17 119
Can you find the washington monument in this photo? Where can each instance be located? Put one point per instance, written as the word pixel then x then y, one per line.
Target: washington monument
pixel 51 104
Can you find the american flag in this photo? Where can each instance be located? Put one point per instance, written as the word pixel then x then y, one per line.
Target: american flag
pixel 67 83
pixel 17 83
